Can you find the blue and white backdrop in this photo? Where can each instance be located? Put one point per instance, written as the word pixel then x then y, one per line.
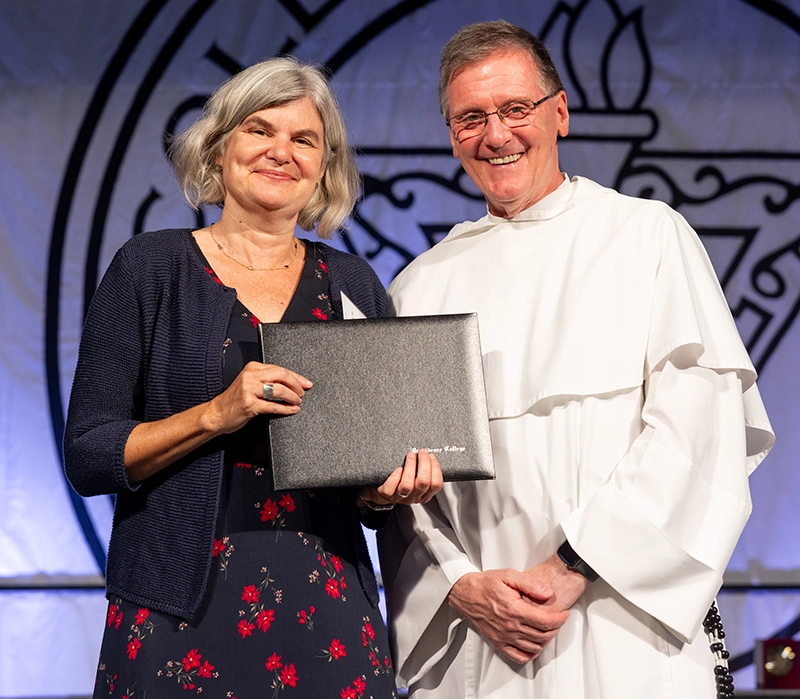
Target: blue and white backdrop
pixel 695 103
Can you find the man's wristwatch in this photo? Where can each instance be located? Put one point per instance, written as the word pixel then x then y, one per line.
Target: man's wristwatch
pixel 374 506
pixel 574 562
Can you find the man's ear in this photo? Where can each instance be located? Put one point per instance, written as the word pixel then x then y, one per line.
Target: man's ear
pixel 562 112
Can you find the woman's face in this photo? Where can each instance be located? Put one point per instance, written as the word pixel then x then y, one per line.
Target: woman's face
pixel 273 160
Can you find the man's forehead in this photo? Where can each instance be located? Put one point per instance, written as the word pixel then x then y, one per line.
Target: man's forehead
pixel 501 68
pixel 501 61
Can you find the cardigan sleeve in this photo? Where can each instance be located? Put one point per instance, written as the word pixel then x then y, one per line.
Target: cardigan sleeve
pixel 105 403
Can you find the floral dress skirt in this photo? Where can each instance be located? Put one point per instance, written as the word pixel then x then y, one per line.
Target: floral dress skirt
pixel 284 613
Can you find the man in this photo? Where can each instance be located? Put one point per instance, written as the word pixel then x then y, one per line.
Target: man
pixel 624 420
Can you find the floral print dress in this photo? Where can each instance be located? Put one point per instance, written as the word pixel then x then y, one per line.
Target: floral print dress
pixel 284 615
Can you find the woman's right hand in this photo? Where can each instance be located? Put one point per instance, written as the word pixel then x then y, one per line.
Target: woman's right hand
pixel 152 446
pixel 244 398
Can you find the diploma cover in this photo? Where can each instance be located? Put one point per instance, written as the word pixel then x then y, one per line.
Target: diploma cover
pixel 382 387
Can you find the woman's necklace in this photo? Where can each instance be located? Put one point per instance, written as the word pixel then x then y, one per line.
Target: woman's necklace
pixel 250 267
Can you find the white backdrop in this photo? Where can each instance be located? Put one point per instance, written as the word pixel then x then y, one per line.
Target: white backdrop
pixel 693 103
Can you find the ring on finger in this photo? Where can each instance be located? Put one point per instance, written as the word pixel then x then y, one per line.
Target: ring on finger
pixel 402 496
pixel 268 391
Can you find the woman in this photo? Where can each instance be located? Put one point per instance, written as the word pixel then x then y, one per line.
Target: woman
pixel 216 583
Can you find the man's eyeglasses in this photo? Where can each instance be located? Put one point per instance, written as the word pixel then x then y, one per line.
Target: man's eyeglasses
pixel 514 114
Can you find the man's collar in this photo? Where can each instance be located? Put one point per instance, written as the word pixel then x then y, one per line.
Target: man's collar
pixel 547 207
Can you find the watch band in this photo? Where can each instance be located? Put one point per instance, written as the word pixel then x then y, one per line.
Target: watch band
pixel 374 506
pixel 574 562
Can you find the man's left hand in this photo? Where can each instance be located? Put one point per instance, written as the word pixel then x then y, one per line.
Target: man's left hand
pixel 567 585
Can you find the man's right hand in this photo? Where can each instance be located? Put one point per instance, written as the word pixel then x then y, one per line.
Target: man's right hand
pixel 507 608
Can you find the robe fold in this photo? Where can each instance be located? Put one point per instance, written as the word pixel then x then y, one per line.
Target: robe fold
pixel 624 417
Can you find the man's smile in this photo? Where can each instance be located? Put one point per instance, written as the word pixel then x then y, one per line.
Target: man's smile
pixel 505 159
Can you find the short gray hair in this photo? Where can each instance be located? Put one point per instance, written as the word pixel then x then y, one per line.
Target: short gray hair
pixel 271 83
pixel 476 42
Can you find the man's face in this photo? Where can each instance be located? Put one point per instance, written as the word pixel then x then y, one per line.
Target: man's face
pixel 513 167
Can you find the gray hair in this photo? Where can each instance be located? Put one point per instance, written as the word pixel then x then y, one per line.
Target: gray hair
pixel 271 83
pixel 476 42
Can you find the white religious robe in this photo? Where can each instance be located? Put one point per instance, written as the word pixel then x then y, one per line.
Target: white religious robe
pixel 624 417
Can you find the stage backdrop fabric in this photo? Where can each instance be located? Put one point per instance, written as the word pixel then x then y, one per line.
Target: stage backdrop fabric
pixel 694 103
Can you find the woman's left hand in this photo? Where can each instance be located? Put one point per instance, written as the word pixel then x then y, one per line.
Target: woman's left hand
pixel 417 480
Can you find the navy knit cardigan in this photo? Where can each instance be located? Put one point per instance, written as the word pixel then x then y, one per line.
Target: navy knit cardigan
pixel 151 347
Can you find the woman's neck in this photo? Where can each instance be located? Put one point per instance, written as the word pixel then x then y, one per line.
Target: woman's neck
pixel 256 243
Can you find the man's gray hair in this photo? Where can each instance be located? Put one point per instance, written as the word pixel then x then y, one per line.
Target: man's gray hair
pixel 476 42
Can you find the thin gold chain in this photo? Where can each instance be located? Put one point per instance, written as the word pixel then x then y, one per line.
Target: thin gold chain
pixel 250 267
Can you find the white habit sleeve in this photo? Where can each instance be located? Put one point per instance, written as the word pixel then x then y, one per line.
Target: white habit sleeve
pixel 421 559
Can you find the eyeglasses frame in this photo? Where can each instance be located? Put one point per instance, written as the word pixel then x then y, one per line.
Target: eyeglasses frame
pixel 486 115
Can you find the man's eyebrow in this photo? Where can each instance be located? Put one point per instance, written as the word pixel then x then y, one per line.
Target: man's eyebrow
pixel 512 100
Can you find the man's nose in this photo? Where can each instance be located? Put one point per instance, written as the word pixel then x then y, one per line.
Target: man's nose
pixel 496 133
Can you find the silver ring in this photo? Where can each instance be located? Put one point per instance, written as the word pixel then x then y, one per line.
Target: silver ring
pixel 268 391
pixel 400 495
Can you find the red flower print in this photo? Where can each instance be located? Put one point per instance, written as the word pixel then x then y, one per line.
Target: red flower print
pixel 265 618
pixel 289 676
pixel 274 662
pixel 287 501
pixel 191 660
pixel 213 274
pixel 245 628
pixel 348 693
pixel 269 512
pixel 242 464
pixel 218 548
pixel 250 594
pixel 368 639
pixel 360 685
pixel 255 321
pixel 322 266
pixel 306 618
pixel 337 563
pixel 206 669
pixel 141 615
pixel 337 649
pixel 133 648
pixel 317 313
pixel 118 620
pixel 342 582
pixel 112 614
pixel 332 588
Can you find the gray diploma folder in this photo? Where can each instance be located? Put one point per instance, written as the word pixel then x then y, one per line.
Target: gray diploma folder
pixel 382 387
